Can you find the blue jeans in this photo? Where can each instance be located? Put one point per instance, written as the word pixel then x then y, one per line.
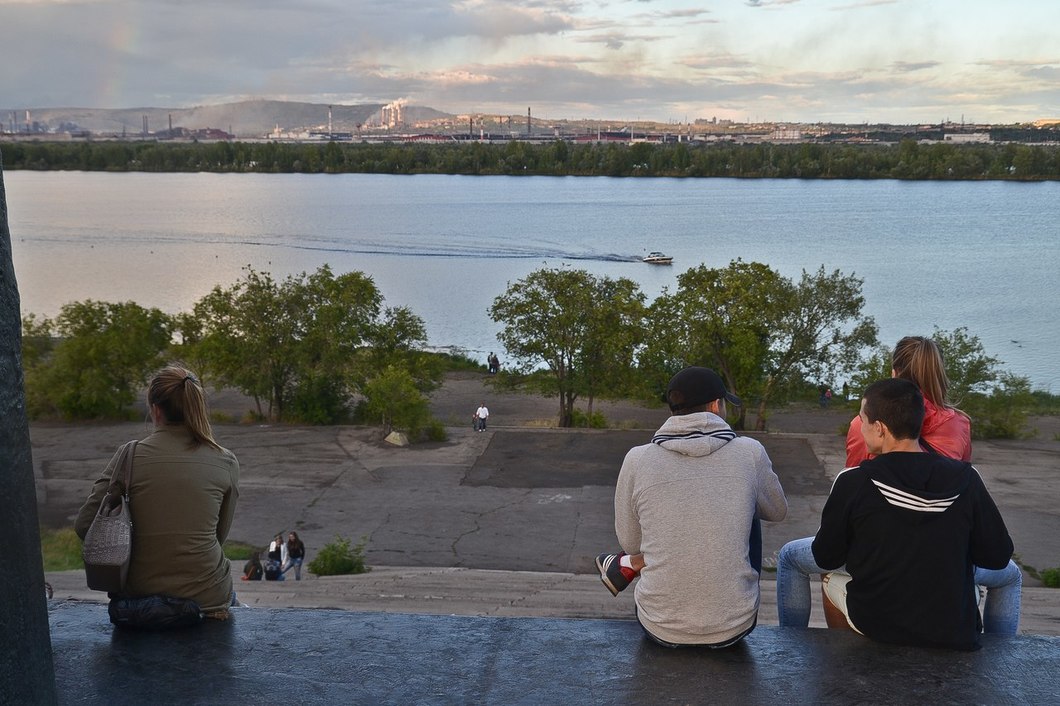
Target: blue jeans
pixel 706 645
pixel 297 564
pixel 1001 614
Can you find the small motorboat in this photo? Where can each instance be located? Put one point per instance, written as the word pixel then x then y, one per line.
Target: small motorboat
pixel 658 258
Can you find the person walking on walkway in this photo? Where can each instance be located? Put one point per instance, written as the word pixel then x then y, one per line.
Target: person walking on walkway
pixel 481 414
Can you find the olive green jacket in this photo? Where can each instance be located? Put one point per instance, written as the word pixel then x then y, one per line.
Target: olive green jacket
pixel 182 501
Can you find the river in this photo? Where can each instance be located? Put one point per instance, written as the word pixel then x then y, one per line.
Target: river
pixel 984 255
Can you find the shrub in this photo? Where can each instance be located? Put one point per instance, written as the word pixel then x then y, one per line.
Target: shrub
pixel 1051 577
pixel 338 558
pixel 253 417
pixel 1003 413
pixel 458 359
pixel 436 431
pixel 581 419
pixel 392 399
pixel 91 361
pixel 319 400
pixel 60 550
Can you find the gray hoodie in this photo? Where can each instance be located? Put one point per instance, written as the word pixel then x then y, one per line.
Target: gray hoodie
pixel 686 501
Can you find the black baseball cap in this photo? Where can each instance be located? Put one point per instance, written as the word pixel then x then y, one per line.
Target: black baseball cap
pixel 695 387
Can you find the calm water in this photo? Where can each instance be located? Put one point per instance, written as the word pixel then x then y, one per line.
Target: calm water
pixel 979 254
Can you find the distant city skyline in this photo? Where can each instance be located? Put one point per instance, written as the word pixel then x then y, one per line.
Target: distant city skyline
pixel 840 61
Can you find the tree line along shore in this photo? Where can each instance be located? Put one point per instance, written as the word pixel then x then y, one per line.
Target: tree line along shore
pixel 321 348
pixel 906 159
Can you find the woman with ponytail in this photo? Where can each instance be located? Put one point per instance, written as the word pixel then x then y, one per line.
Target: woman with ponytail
pixel 946 431
pixel 182 499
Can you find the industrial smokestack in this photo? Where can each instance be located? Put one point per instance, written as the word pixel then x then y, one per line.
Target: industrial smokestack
pixel 528 128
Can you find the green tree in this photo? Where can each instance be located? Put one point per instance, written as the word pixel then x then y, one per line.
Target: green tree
pixel 572 323
pixel 1001 414
pixel 38 342
pixel 719 318
pixel 820 330
pixel 968 367
pixel 396 340
pixel 336 319
pixel 297 339
pixel 248 340
pixel 94 358
pixel 393 398
pixel 613 335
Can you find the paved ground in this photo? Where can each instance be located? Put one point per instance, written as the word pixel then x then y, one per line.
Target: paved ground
pixel 517 498
pixel 329 657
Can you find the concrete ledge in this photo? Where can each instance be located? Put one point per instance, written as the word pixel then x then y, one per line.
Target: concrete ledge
pixel 331 656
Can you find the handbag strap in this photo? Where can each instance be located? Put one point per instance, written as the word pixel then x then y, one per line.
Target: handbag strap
pixel 125 463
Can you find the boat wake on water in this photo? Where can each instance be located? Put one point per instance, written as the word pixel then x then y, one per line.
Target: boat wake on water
pixel 395 245
pixel 503 253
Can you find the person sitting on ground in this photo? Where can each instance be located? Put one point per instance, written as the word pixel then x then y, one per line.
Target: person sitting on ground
pixel 910 527
pixel 946 431
pixel 182 499
pixel 295 555
pixel 687 509
pixel 252 570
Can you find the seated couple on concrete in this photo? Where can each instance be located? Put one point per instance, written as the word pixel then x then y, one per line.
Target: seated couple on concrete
pixel 907 537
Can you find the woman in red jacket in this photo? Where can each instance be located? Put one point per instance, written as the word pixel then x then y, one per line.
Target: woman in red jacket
pixel 946 430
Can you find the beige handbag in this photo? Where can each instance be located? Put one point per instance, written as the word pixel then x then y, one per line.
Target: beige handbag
pixel 108 543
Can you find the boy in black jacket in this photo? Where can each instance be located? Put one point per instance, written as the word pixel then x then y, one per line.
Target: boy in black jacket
pixel 910 526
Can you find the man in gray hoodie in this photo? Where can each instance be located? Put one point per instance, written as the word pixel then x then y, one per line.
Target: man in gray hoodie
pixel 687 508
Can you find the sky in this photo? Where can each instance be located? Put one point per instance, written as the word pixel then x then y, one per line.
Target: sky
pixel 853 61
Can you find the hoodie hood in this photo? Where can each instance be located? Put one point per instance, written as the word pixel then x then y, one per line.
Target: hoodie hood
pixel 921 482
pixel 696 434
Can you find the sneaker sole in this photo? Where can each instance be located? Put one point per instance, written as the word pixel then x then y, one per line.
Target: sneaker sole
pixel 604 580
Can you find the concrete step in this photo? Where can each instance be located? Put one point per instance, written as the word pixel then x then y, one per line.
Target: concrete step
pixel 480 592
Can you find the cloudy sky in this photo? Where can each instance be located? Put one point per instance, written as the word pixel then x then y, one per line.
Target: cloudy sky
pixel 901 61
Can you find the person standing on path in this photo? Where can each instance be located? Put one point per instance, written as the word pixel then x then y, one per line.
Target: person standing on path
pixel 481 414
pixel 295 555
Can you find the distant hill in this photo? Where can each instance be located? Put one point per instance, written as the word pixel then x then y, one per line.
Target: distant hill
pixel 243 119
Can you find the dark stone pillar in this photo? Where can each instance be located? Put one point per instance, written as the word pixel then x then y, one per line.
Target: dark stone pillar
pixel 27 675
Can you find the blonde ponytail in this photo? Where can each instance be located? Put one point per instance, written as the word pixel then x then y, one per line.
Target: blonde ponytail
pixel 919 360
pixel 180 397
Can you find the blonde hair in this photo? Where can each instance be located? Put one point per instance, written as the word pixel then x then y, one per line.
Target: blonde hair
pixel 919 360
pixel 180 397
